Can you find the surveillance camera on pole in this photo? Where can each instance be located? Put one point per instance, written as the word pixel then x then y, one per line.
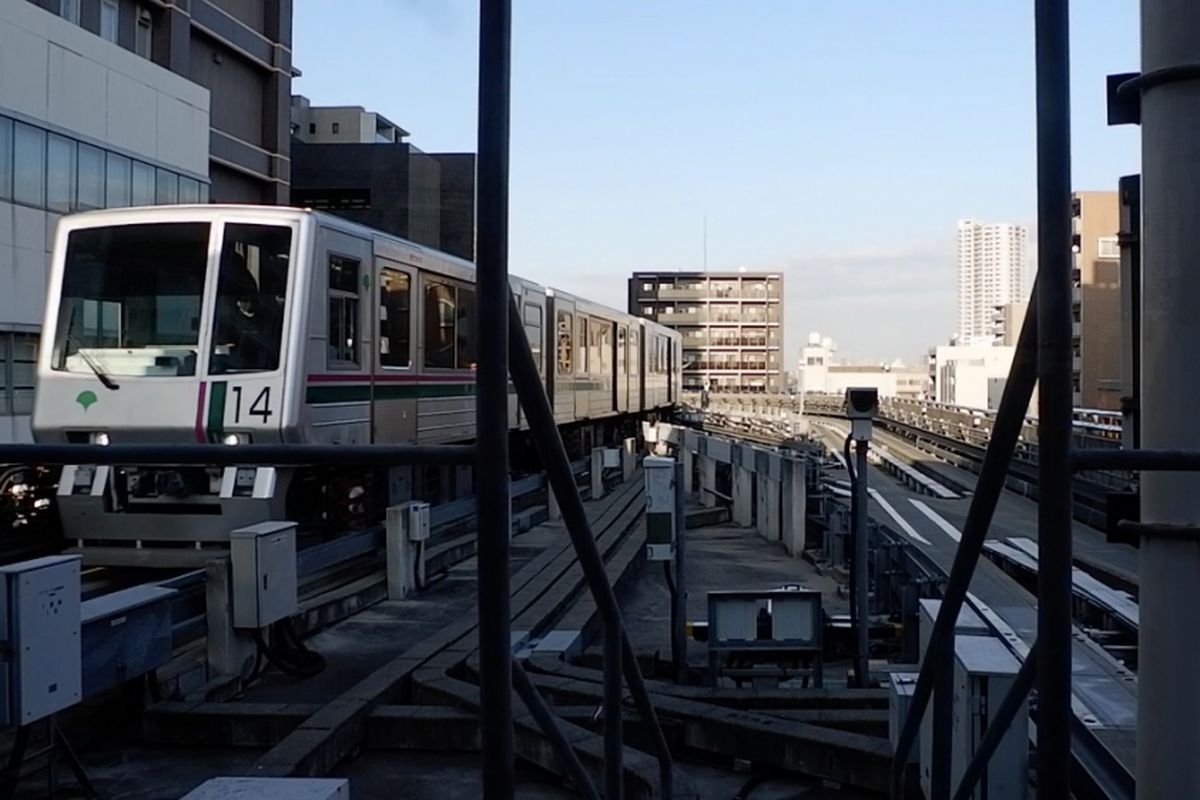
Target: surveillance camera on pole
pixel 862 405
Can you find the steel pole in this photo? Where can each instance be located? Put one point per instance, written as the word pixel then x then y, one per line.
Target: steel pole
pixel 491 401
pixel 1168 739
pixel 861 593
pixel 1055 398
pixel 679 634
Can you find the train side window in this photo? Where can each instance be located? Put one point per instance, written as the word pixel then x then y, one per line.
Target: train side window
pixel 466 340
pixel 251 293
pixel 533 331
pixel 343 310
pixel 439 325
pixel 583 346
pixel 565 355
pixel 395 316
pixel 633 352
pixel 604 345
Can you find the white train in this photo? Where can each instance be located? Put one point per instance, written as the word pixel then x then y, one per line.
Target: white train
pixel 234 324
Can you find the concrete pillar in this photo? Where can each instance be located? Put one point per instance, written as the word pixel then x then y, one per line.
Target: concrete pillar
pixel 761 498
pixel 597 473
pixel 628 458
pixel 229 651
pixel 793 501
pixel 770 528
pixel 743 495
pixel 405 557
pixel 708 481
pixel 688 459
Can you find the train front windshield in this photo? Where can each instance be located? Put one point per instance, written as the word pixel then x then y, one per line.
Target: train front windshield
pixel 133 300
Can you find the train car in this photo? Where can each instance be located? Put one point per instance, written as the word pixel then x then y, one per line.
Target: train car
pixel 237 324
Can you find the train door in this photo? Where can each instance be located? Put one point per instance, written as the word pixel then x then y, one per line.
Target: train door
pixel 393 385
pixel 533 314
pixel 643 367
pixel 339 377
pixel 583 366
pixel 622 362
pixel 562 349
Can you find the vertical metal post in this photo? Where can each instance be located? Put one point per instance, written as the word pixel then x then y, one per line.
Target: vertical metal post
pixel 1055 397
pixel 1168 738
pixel 614 771
pixel 679 633
pixel 942 723
pixel 861 593
pixel 491 401
pixel 1129 235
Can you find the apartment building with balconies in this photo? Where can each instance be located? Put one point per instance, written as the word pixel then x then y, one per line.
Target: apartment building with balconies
pixel 731 324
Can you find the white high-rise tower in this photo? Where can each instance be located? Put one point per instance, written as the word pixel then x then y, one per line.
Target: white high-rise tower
pixel 993 264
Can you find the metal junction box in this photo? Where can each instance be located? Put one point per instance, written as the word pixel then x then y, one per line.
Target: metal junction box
pixel 263 558
pixel 271 789
pixel 773 625
pixel 413 519
pixel 984 671
pixel 968 624
pixel 126 634
pixel 41 673
pixel 901 686
pixel 661 525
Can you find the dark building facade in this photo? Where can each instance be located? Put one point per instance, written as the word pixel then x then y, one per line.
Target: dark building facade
pixel 241 51
pixel 392 186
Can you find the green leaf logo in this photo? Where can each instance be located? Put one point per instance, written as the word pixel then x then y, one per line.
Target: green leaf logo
pixel 86 398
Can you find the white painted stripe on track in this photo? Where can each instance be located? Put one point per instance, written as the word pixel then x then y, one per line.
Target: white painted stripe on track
pixel 901 521
pixel 937 519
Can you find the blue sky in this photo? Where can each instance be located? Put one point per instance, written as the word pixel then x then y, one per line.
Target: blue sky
pixel 837 142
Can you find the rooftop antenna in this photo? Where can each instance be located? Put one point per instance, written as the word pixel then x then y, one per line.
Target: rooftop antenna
pixel 706 242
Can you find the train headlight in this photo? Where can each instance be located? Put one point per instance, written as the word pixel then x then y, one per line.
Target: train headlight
pixel 99 437
pixel 232 439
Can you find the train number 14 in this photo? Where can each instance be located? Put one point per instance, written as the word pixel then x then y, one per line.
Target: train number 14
pixel 261 407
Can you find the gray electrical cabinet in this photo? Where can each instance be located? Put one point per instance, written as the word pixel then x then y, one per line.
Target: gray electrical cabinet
pixel 968 624
pixel 41 670
pixel 263 561
pixel 984 671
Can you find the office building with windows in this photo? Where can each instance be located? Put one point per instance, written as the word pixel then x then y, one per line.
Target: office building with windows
pixel 731 324
pixel 1096 311
pixel 993 270
pixel 240 50
pixel 356 164
pixel 84 124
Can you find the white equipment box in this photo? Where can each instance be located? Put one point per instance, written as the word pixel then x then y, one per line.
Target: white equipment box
pixel 41 673
pixel 263 558
pixel 661 526
pixel 984 671
pixel 968 624
pixel 271 789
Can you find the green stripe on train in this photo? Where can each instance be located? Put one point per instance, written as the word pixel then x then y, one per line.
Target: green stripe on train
pixel 361 392
pixel 216 411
